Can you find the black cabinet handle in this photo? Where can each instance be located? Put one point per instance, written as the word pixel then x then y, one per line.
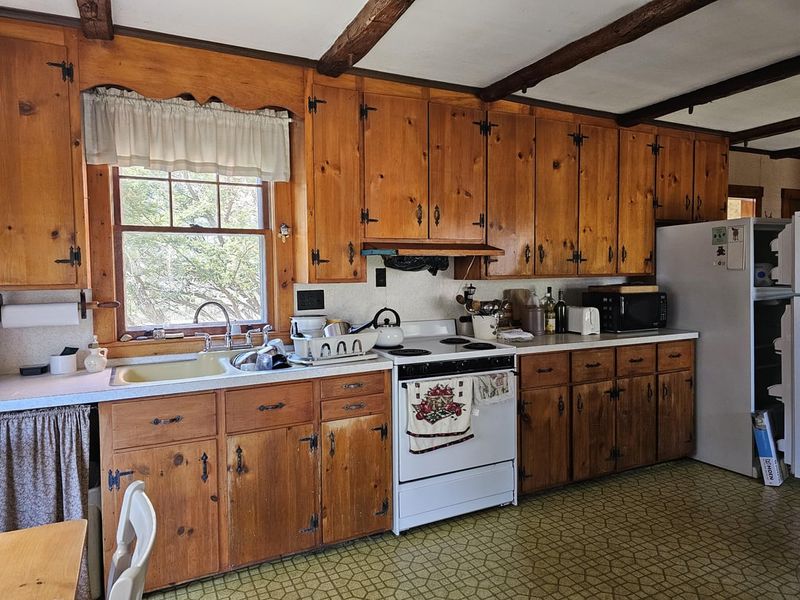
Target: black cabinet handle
pixel 332 440
pixel 675 355
pixel 175 419
pixel 624 254
pixel 527 253
pixel 277 406
pixel 204 460
pixel 580 403
pixel 353 386
pixel 560 406
pixel 649 391
pixel 419 214
pixel 544 370
pixel 636 360
pixel 351 253
pixel 664 391
pixel 688 203
pixel 593 365
pixel 437 215
pixel 541 254
pixel 239 462
pixel 356 406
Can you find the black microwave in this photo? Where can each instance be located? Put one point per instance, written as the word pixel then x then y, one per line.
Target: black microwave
pixel 621 312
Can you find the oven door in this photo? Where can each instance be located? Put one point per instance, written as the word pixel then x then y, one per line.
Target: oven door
pixel 639 311
pixel 493 427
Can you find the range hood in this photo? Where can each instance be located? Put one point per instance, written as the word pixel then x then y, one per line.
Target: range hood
pixel 428 249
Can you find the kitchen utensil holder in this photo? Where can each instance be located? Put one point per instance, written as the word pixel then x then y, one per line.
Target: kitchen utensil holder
pixel 340 346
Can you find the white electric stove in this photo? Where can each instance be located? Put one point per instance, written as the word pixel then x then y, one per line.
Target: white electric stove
pixel 468 476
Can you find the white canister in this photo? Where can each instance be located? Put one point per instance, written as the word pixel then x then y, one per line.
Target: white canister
pixel 61 364
pixel 485 326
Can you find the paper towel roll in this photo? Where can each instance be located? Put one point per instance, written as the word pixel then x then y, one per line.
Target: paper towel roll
pixel 39 315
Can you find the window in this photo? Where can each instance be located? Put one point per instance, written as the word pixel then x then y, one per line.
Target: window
pixel 186 238
pixel 744 201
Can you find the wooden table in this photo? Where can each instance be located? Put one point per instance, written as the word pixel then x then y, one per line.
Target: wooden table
pixel 42 563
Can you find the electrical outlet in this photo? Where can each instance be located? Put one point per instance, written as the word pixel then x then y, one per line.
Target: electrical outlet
pixel 380 277
pixel 310 300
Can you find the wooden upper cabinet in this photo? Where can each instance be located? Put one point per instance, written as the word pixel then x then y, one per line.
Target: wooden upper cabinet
pixel 395 167
pixel 457 174
pixel 597 236
pixel 674 183
pixel 336 219
pixel 556 198
pixel 710 179
pixel 510 194
pixel 637 179
pixel 41 190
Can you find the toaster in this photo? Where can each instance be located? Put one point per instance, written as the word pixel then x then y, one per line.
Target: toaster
pixel 583 319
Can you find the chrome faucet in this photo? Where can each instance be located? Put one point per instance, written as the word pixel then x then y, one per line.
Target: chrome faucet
pixel 228 336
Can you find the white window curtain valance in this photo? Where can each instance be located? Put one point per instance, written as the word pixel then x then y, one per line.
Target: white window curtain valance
pixel 126 129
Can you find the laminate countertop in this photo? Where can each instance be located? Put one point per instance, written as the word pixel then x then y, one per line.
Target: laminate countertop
pixel 574 341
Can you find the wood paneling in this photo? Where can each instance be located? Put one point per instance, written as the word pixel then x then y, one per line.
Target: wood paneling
pixel 636 422
pixel 272 493
pixel 356 477
pixel 38 221
pixel 337 185
pixel 675 415
pixel 675 356
pixel 457 174
pixel 186 506
pixel 593 416
pixel 674 185
pixel 510 188
pixel 544 434
pixel 556 198
pixel 163 420
pixel 710 179
pixel 361 384
pixel 597 237
pixel 592 365
pixel 543 370
pixel 637 180
pixel 269 406
pixel 636 360
pixel 396 167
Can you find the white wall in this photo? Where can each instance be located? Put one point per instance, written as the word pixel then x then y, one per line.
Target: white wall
pixel 418 296
pixel 772 175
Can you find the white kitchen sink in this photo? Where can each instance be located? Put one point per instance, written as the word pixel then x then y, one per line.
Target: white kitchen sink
pixel 215 364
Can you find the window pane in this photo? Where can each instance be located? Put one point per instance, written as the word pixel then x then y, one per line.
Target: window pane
pixel 144 202
pixel 168 275
pixel 142 172
pixel 194 204
pixel 194 176
pixel 240 206
pixel 236 179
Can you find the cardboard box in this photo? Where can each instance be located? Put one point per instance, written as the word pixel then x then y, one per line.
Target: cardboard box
pixel 772 467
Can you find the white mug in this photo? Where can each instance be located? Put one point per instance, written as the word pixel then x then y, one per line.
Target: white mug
pixel 63 364
pixel 485 326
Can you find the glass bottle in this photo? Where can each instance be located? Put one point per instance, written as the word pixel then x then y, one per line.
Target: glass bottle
pixel 561 313
pixel 549 312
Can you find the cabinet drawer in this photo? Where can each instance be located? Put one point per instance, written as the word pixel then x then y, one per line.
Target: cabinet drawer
pixel 544 370
pixel 593 365
pixel 360 384
pixel 266 407
pixel 344 408
pixel 163 420
pixel 636 360
pixel 675 356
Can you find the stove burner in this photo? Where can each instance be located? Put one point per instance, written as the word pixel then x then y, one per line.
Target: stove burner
pixel 479 346
pixel 409 352
pixel 454 340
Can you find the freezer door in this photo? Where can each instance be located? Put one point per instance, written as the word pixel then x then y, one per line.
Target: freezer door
pixel 784 248
pixel 790 377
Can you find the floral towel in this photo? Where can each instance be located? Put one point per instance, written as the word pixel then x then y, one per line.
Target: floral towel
pixel 492 388
pixel 439 413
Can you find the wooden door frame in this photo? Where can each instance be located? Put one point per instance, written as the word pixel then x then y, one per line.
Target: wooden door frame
pixel 788 195
pixel 748 191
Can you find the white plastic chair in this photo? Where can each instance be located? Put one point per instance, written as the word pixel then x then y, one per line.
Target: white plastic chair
pixel 137 522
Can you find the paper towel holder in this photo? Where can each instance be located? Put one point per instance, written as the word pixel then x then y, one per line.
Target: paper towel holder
pixel 84 305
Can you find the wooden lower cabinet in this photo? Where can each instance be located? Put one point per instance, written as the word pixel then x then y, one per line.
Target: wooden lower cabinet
pixel 181 482
pixel 356 477
pixel 636 422
pixel 675 415
pixel 272 501
pixel 544 431
pixel 593 417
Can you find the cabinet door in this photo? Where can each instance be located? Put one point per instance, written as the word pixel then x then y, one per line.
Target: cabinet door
pixel 356 477
pixel 337 185
pixel 636 422
pixel 597 225
pixel 37 212
pixel 544 438
pixel 556 198
pixel 272 493
pixel 592 430
pixel 675 415
pixel 181 482
pixel 637 180
pixel 457 179
pixel 396 167
pixel 710 180
pixel 510 194
pixel 675 168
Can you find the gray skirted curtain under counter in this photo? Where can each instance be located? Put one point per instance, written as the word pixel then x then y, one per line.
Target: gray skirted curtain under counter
pixel 44 470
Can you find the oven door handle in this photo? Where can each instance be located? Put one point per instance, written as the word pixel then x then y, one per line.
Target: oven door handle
pixel 512 372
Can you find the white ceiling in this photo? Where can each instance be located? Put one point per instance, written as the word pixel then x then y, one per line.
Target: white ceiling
pixel 475 42
pixel 777 142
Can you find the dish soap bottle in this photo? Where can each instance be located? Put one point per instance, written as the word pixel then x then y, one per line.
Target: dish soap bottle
pixel 97 359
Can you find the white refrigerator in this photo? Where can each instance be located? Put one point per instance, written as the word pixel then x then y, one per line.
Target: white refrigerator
pixel 747 352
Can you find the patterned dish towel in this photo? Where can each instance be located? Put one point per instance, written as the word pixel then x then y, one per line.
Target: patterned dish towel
pixel 491 389
pixel 439 413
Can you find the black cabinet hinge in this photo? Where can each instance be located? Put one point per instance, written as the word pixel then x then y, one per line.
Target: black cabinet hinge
pixel 313 523
pixel 74 259
pixel 655 148
pixel 364 110
pixel 113 478
pixel 577 138
pixel 383 429
pixel 485 127
pixel 481 222
pixel 577 257
pixel 365 216
pixel 315 259
pixel 67 70
pixel 384 509
pixel 313 102
pixel 313 442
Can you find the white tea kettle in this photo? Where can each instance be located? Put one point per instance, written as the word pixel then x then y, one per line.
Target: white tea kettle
pixel 389 334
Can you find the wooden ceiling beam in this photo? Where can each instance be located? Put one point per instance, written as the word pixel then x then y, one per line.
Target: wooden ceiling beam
pixel 786 153
pixel 722 89
pixel 763 131
pixel 361 35
pixel 96 21
pixel 624 30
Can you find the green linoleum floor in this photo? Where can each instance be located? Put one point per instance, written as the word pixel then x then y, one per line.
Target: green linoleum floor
pixel 678 530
